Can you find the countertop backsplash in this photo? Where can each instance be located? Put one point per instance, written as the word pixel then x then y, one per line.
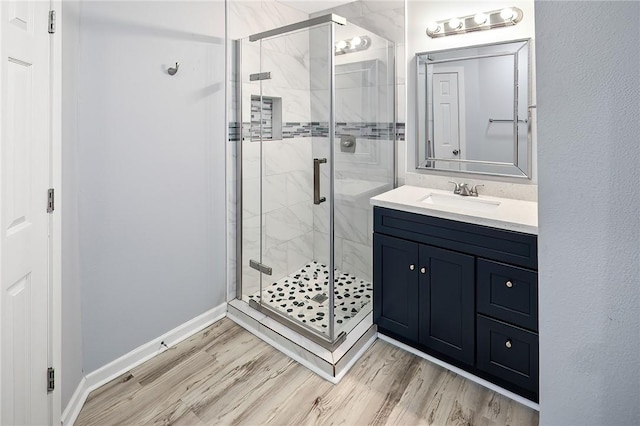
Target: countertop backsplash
pixel 515 191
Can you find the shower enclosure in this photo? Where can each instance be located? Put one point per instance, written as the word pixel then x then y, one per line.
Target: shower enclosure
pixel 316 103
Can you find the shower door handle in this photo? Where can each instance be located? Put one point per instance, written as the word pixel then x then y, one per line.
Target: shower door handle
pixel 317 199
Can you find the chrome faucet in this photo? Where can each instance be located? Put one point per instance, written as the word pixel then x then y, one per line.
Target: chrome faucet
pixel 464 190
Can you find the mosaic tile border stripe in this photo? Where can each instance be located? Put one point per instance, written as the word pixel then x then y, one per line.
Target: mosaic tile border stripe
pixel 321 129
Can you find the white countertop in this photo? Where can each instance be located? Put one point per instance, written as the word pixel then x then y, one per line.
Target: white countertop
pixel 503 213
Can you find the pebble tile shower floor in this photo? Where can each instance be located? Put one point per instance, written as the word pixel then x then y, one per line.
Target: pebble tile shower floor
pixel 303 296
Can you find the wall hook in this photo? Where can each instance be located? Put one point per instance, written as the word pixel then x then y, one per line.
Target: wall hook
pixel 173 71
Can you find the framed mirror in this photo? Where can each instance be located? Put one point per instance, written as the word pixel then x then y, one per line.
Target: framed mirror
pixel 473 109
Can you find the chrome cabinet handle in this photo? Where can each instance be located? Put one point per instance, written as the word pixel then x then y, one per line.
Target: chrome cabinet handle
pixel 317 199
pixel 508 344
pixel 509 284
pixel 412 267
pixel 423 270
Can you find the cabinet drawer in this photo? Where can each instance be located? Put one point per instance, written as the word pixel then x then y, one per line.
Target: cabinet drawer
pixel 507 352
pixel 507 293
pixel 505 246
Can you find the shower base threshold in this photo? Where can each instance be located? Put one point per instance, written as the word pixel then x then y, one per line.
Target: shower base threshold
pixel 330 364
pixel 297 327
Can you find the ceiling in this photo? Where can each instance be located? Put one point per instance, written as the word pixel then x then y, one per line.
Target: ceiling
pixel 312 6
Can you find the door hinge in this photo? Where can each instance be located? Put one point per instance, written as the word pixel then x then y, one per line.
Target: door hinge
pixel 50 200
pixel 51 379
pixel 260 76
pixel 52 21
pixel 260 267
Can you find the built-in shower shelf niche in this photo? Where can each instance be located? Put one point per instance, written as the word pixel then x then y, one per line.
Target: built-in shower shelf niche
pixel 268 111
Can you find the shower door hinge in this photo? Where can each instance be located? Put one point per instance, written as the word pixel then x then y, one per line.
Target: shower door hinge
pixel 51 379
pixel 50 200
pixel 260 76
pixel 52 22
pixel 260 267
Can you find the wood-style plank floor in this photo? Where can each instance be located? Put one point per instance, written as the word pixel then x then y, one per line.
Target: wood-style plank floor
pixel 225 375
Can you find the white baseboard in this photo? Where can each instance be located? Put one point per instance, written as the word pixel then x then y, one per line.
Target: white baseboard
pixel 142 353
pixel 71 411
pixel 461 372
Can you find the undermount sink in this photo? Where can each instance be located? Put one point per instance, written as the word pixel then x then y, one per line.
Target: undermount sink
pixel 458 201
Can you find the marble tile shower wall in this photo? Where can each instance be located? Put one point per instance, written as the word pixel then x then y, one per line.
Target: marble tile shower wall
pixel 385 18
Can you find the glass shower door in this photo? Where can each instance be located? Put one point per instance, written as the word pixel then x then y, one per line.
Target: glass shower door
pixel 364 162
pixel 292 109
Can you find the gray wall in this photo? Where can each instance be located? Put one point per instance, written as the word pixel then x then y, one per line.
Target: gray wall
pixel 145 246
pixel 71 291
pixel 588 61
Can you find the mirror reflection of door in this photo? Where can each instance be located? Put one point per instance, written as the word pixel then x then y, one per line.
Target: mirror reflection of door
pixel 448 117
pixel 491 86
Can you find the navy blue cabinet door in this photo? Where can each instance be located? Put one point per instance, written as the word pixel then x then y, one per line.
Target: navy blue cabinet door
pixel 447 296
pixel 395 286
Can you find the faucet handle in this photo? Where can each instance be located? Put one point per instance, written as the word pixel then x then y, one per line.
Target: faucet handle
pixel 474 190
pixel 456 190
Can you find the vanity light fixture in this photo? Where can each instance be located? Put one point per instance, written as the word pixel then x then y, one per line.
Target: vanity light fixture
pixel 480 21
pixel 481 18
pixel 455 24
pixel 433 27
pixel 507 14
pixel 355 44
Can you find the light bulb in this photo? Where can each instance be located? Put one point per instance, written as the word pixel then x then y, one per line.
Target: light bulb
pixel 341 44
pixel 356 41
pixel 480 18
pixel 507 14
pixel 433 27
pixel 455 23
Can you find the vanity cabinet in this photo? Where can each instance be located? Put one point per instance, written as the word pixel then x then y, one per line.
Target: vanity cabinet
pixel 428 297
pixel 464 293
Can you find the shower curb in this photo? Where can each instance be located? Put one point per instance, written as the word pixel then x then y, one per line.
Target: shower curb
pixel 331 366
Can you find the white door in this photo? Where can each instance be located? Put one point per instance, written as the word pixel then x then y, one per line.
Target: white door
pixel 446 117
pixel 24 223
